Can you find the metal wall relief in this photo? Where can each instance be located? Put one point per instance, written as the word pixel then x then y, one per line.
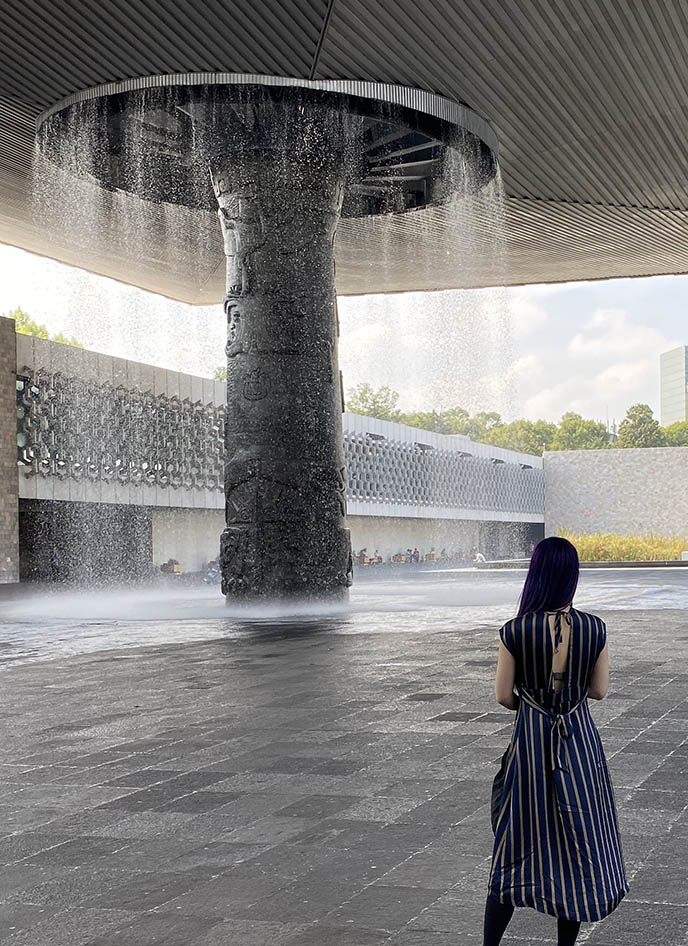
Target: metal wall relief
pixel 73 427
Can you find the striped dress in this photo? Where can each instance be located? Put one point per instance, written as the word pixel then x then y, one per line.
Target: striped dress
pixel 557 845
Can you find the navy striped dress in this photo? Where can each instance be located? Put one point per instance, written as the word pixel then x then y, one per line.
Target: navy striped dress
pixel 557 845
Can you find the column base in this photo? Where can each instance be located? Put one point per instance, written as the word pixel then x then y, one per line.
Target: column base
pixel 271 561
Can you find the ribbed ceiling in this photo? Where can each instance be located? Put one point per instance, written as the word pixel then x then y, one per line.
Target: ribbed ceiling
pixel 588 98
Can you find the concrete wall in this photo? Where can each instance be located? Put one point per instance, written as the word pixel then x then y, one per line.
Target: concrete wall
pixel 83 409
pixel 630 492
pixel 361 424
pixel 192 536
pixel 399 471
pixel 389 535
pixel 9 509
pixel 186 523
pixel 35 353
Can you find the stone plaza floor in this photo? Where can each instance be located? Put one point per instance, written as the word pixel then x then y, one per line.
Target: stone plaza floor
pixel 302 786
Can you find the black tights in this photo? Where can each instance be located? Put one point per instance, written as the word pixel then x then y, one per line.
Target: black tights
pixel 497 916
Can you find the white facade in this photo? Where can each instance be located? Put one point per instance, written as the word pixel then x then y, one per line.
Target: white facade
pixel 673 373
pixel 400 471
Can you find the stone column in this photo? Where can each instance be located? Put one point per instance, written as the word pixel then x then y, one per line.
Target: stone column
pixel 9 480
pixel 285 478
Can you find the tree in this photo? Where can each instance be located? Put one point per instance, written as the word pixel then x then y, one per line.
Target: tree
pixel 526 436
pixel 428 420
pixel 380 403
pixel 220 373
pixel 487 420
pixel 676 435
pixel 640 429
pixel 479 426
pixel 575 433
pixel 457 419
pixel 25 325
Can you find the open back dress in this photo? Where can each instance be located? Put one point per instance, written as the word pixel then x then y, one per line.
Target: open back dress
pixel 557 845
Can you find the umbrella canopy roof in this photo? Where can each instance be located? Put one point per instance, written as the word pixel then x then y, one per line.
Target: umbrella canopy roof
pixel 587 101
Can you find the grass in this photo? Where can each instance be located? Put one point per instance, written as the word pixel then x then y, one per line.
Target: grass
pixel 610 547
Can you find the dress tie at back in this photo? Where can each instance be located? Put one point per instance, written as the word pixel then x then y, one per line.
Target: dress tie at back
pixel 561 729
pixel 566 614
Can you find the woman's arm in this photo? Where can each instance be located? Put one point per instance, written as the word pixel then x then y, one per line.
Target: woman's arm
pixel 599 678
pixel 504 679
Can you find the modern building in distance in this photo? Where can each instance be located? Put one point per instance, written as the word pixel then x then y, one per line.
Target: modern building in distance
pixel 673 373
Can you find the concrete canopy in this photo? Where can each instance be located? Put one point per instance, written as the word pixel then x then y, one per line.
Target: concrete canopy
pixel 586 98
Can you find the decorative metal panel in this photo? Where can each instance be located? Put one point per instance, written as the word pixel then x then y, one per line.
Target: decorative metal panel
pixel 402 473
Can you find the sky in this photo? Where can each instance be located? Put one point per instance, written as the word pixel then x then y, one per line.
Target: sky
pixel 533 352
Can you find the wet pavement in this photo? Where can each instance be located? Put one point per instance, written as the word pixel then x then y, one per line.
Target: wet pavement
pixel 38 623
pixel 317 781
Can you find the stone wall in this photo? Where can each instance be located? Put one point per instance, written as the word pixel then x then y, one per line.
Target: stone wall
pixel 629 492
pixel 9 511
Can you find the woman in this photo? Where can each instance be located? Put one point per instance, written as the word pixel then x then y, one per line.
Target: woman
pixel 557 845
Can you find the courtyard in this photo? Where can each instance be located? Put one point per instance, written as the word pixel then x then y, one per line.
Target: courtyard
pixel 313 782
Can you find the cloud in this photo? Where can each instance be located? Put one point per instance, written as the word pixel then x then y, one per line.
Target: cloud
pixel 609 391
pixel 526 316
pixel 610 333
pixel 627 377
pixel 596 368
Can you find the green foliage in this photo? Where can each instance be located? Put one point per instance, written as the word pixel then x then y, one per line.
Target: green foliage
pixel 526 436
pixel 380 403
pixel 25 325
pixel 429 420
pixel 640 429
pixel 63 340
pixel 487 420
pixel 676 435
pixel 576 433
pixel 220 373
pixel 610 547
pixel 456 420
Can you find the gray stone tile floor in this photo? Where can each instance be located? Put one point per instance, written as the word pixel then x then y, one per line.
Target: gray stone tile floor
pixel 310 789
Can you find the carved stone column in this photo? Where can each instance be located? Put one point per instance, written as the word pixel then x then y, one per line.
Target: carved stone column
pixel 280 195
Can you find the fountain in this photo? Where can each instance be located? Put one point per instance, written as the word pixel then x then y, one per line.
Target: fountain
pixel 284 161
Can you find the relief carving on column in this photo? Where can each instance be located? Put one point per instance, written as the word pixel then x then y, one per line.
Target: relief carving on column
pixel 243 232
pixel 235 327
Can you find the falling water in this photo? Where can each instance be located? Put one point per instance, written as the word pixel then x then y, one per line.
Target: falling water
pixel 439 349
pixel 446 348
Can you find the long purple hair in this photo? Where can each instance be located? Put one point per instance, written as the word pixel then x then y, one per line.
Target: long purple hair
pixel 552 577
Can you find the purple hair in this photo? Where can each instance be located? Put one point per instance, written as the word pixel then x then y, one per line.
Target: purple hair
pixel 552 577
